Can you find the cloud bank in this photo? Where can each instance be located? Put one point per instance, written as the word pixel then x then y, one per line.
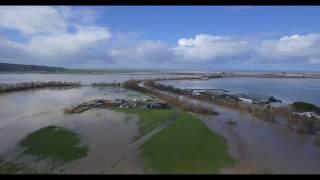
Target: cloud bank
pixel 295 48
pixel 205 47
pixel 67 36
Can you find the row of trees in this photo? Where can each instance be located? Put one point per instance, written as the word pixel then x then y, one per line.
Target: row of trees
pixel 33 85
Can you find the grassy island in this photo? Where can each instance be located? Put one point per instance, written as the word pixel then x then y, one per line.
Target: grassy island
pixel 54 142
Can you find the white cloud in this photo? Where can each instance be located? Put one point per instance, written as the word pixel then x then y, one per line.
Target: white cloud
pixel 314 61
pixel 85 14
pixel 204 47
pixel 143 52
pixel 295 48
pixel 58 48
pixel 66 44
pixel 237 8
pixel 48 39
pixel 33 19
pixel 11 51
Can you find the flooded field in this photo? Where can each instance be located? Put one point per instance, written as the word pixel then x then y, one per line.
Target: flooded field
pixel 263 147
pixel 256 146
pixel 83 78
pixel 107 133
pixel 286 89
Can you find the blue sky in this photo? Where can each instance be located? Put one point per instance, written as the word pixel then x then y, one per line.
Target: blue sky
pixel 188 37
pixel 170 23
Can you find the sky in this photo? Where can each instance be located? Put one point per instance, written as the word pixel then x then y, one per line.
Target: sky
pixel 285 38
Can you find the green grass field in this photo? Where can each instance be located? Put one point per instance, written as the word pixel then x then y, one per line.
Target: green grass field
pixel 13 168
pixel 149 119
pixel 185 147
pixel 56 143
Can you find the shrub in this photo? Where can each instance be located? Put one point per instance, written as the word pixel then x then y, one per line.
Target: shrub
pixel 302 106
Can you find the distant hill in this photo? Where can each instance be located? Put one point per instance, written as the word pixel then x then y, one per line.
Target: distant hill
pixel 7 67
pixel 22 68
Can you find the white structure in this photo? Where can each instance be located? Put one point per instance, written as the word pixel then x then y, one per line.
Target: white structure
pixel 308 114
pixel 204 78
pixel 245 100
pixel 197 92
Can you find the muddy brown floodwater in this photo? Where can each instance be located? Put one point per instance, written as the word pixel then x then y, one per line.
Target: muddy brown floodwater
pixel 107 133
pixel 109 140
pixel 263 147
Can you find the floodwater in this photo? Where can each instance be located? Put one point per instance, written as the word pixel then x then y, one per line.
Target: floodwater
pixel 83 78
pixel 263 147
pixel 109 140
pixel 107 133
pixel 286 89
pixel 260 146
